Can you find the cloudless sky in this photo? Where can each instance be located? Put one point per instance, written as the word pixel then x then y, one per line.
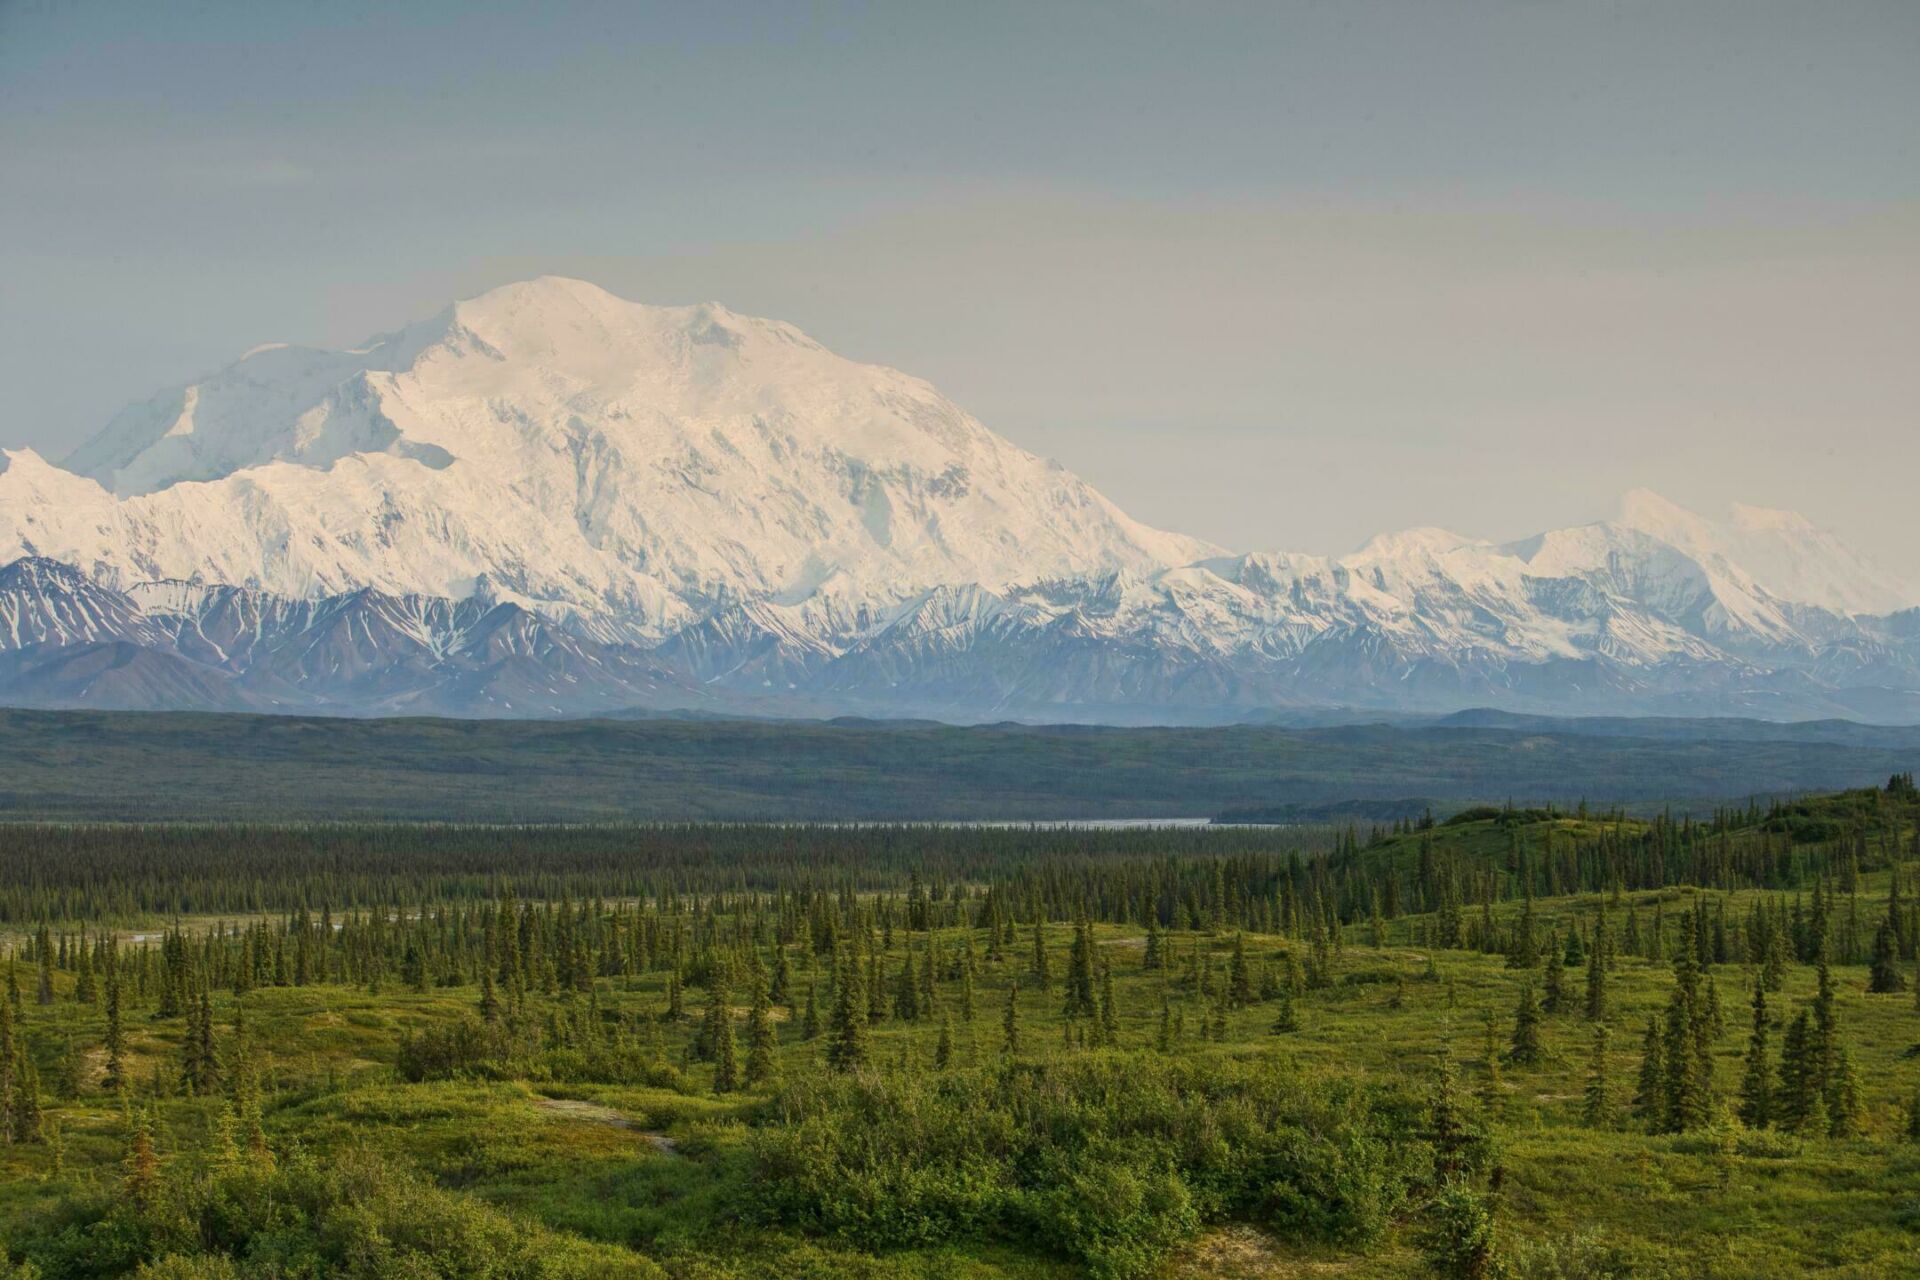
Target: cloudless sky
pixel 1281 275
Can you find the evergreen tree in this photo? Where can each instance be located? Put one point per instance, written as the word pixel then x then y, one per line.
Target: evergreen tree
pixel 810 1021
pixel 1555 1000
pixel 906 990
pixel 943 1048
pixel 116 1036
pixel 1285 1019
pixel 1458 1236
pixel 1885 977
pixel 760 1038
pixel 1239 976
pixel 1845 1106
pixel 1011 1023
pixel 1525 1048
pixel 1525 951
pixel 1650 1089
pixel 1458 1144
pixel 1823 1043
pixel 1598 957
pixel 1756 1081
pixel 489 998
pixel 1795 1101
pixel 847 1047
pixel 726 1063
pixel 1688 1096
pixel 1597 1111
pixel 43 948
pixel 1080 991
pixel 23 1105
pixel 781 990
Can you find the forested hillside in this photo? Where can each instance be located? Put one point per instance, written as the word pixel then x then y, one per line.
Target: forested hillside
pixel 148 767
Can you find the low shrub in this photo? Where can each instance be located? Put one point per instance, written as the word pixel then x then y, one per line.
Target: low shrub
pixel 1109 1161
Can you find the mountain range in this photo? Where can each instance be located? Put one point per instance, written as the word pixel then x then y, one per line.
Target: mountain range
pixel 549 501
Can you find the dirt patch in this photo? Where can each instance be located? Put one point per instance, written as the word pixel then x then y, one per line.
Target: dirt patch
pixel 1245 1253
pixel 594 1113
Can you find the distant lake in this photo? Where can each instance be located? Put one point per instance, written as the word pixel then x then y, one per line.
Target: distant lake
pixel 1081 824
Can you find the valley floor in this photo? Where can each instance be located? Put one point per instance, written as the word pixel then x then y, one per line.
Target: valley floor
pixel 666 1169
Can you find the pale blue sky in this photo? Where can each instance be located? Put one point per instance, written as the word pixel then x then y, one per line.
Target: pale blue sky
pixel 1279 275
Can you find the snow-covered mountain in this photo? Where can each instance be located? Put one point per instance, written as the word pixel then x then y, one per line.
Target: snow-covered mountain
pixel 578 452
pixel 548 500
pixel 1782 551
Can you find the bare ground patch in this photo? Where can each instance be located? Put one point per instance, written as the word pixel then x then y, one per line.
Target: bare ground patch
pixel 593 1113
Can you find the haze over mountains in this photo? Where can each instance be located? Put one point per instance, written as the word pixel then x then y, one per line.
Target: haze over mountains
pixel 551 501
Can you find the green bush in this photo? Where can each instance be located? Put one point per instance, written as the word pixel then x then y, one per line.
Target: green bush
pixel 441 1052
pixel 1116 1217
pixel 355 1217
pixel 1109 1161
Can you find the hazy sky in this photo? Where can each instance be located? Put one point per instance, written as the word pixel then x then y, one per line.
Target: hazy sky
pixel 1278 275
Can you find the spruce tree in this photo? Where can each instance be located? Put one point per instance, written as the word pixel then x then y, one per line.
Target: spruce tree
pixel 1597 956
pixel 1525 1048
pixel 1285 1019
pixel 810 1021
pixel 847 1046
pixel 760 1038
pixel 1556 981
pixel 1823 1043
pixel 1756 1081
pixel 24 1104
pixel 1010 1024
pixel 1597 1110
pixel 43 946
pixel 906 990
pixel 1688 1093
pixel 489 998
pixel 1885 977
pixel 116 1036
pixel 1845 1106
pixel 943 1048
pixel 1650 1089
pixel 1794 1102
pixel 1080 992
pixel 781 990
pixel 1239 976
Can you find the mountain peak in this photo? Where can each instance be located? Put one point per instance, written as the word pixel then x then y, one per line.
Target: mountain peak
pixel 1421 541
pixel 1771 520
pixel 585 452
pixel 1783 552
